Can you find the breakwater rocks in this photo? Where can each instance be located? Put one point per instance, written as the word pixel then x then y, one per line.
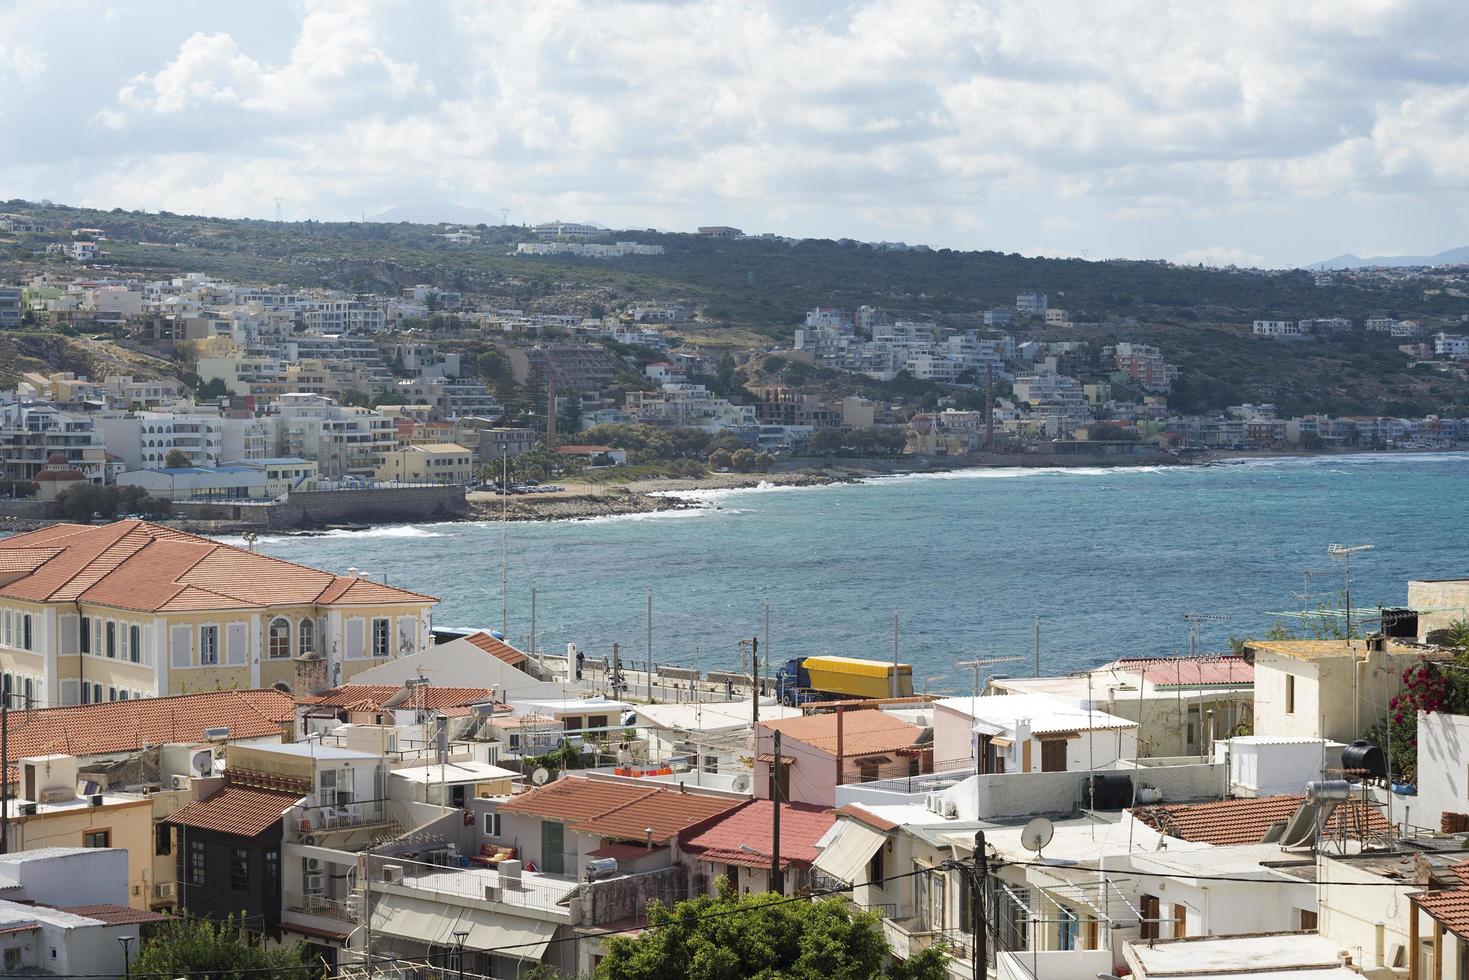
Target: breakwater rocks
pixel 571 507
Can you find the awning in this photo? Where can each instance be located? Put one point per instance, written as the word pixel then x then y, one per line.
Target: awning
pixel 768 757
pixel 416 919
pixel 845 858
pixel 505 935
pixel 1001 743
pixel 434 924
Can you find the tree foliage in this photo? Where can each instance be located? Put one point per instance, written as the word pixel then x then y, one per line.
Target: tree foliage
pixel 81 502
pixel 1428 686
pixel 735 937
pixel 205 950
pixel 177 459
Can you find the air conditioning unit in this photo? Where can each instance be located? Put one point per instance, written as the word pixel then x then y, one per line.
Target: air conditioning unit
pixel 313 865
pixel 393 874
pixel 315 884
pixel 934 802
pixel 951 809
pixel 163 891
pixel 179 781
pixel 492 893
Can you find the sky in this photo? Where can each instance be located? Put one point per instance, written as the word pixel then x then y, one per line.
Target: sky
pixel 1260 133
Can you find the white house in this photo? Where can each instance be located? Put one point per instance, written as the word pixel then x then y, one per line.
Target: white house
pixel 1028 733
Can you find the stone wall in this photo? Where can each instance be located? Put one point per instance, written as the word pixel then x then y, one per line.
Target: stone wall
pixel 315 508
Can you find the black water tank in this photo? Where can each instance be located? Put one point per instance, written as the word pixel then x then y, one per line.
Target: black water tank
pixel 1107 791
pixel 1362 758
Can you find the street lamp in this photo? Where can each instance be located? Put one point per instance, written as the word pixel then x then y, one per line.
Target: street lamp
pixel 459 936
pixel 127 942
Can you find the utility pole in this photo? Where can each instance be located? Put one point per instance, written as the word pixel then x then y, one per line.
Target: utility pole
pixel 1037 646
pixel 978 885
pixel 650 646
pixel 540 660
pixel 767 643
pixel 1345 553
pixel 893 681
pixel 504 541
pixel 777 880
pixel 755 684
pixel 616 670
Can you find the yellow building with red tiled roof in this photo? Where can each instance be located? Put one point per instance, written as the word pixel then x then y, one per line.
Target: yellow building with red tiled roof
pixel 134 609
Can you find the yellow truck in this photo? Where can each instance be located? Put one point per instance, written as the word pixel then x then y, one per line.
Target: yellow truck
pixel 806 679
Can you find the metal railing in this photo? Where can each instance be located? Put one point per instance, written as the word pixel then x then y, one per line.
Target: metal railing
pixel 322 905
pixel 313 819
pixel 533 890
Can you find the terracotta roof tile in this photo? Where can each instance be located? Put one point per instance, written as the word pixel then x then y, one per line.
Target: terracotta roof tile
pixel 1191 671
pixel 1246 821
pixel 497 648
pixel 864 732
pixel 801 826
pixel 139 565
pixel 114 915
pixel 618 810
pixel 242 810
pixel 126 726
pixel 372 697
pixel 1449 907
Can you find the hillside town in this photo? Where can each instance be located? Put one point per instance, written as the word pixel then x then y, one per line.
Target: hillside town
pixel 195 728
pixel 239 396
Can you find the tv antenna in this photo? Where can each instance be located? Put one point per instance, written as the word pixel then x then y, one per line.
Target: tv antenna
pixel 979 662
pixel 1194 619
pixel 1037 834
pixel 278 208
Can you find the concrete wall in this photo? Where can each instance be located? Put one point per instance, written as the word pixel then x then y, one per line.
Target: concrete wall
pixel 1443 768
pixel 1448 597
pixel 1323 693
pixel 377 506
pixel 1003 796
pixel 1368 921
pixel 1064 965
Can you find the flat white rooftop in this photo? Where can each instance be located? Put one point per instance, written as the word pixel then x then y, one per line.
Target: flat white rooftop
pixel 1261 955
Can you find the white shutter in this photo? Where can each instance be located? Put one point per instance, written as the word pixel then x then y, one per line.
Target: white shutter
pixel 355 640
pixel 71 634
pixel 237 650
pixel 407 636
pixel 181 650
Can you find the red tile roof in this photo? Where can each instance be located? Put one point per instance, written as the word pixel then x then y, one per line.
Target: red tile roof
pixel 242 810
pixel 801 826
pixel 1191 671
pixel 864 732
pixel 1246 821
pixel 1449 907
pixel 114 915
pixel 865 816
pixel 373 697
pixel 618 810
pixel 127 726
pixel 497 648
pixel 624 851
pixel 135 564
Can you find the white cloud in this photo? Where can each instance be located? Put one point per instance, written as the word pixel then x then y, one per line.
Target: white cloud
pixel 1141 129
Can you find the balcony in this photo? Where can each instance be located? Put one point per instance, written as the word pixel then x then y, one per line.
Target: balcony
pixel 344 826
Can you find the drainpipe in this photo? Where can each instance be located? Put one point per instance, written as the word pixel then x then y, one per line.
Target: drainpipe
pixel 840 711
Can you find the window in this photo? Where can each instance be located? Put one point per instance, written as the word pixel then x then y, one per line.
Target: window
pixel 208 645
pixel 27 690
pixel 6 686
pixel 1290 694
pixel 306 637
pixel 381 634
pixel 97 838
pixel 112 694
pixel 279 639
pixel 162 838
pixel 875 872
pixel 86 694
pixel 25 631
pixel 86 635
pixel 96 693
pixel 272 871
pixel 111 638
pixel 1306 920
pixel 239 869
pixel 1066 929
pixel 135 643
pixel 492 823
pixel 196 862
pixel 1149 924
pixel 12 959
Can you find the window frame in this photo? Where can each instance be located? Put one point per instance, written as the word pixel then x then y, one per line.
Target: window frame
pixel 105 833
pixel 493 817
pixel 386 625
pixel 278 642
pixel 196 863
pixel 239 869
pixel 209 652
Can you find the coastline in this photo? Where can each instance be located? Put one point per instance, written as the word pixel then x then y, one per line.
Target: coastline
pixel 649 496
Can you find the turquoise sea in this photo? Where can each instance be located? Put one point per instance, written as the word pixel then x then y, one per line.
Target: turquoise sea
pixel 1110 559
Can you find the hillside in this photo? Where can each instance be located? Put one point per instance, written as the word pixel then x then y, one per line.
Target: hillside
pixel 752 292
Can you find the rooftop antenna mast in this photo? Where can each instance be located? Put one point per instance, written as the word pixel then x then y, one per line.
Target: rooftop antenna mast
pixel 1194 619
pixel 979 662
pixel 1344 553
pixel 504 216
pixel 278 208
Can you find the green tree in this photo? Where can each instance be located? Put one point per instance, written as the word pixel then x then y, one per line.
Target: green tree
pixel 205 950
pixel 826 441
pixel 721 459
pixel 177 459
pixel 569 421
pixel 743 460
pixel 763 462
pixel 211 389
pixel 731 937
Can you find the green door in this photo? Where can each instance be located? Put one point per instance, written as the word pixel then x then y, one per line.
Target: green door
pixel 553 844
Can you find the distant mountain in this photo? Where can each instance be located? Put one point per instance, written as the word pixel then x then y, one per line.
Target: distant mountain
pixel 1453 256
pixel 439 212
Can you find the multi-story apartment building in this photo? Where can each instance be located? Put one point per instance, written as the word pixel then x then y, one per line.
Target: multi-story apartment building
pixel 133 609
pixel 32 433
pixel 343 441
pixel 128 393
pixel 145 439
pixel 1145 365
pixel 450 398
pixel 580 370
pixel 1031 304
pixel 688 405
pixel 355 316
pixel 12 309
pixel 1450 345
pixel 1055 398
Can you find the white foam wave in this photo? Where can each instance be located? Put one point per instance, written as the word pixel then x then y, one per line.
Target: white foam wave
pixel 407 531
pixel 1014 472
pixel 711 494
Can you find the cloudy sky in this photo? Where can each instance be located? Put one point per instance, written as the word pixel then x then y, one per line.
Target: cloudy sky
pixel 1262 132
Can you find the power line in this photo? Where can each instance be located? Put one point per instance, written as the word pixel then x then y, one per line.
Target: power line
pixel 1200 877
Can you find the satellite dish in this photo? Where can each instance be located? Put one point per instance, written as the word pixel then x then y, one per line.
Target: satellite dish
pixel 1037 834
pixel 740 784
pixel 202 763
pixel 539 777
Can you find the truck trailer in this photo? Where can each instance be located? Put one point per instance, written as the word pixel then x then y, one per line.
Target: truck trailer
pixel 806 679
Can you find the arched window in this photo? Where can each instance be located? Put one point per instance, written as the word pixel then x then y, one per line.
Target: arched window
pixel 280 638
pixel 306 637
